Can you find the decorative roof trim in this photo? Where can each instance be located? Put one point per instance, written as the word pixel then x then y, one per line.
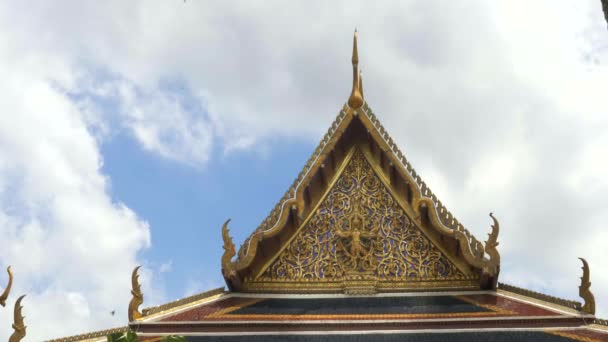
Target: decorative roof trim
pixel 90 335
pixel 279 213
pixel 7 290
pixel 442 219
pixel 137 297
pixel 571 304
pixel 584 290
pixel 599 321
pixel 19 328
pixel 183 301
pixel 423 198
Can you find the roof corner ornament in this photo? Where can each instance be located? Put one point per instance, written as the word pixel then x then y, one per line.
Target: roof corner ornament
pixel 18 325
pixel 491 244
pixel 355 101
pixel 584 290
pixel 137 296
pixel 7 290
pixel 228 269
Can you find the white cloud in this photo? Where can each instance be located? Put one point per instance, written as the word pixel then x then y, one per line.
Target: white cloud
pixel 165 267
pixel 501 104
pixel 71 246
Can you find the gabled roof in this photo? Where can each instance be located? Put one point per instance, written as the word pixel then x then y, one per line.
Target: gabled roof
pixel 504 311
pixel 356 123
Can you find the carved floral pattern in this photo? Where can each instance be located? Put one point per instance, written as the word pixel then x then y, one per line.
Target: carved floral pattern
pixel 388 243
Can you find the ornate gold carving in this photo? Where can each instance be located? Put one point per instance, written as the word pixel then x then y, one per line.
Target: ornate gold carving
pixel 137 296
pixel 273 223
pixel 357 229
pixel 357 239
pixel 360 283
pixel 229 251
pixel 18 324
pixel 443 221
pixel 584 290
pixel 355 100
pixel 490 248
pixel 7 290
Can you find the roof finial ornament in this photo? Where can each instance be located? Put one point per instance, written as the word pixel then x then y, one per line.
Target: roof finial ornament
pixel 229 252
pixel 584 290
pixel 355 100
pixel 18 325
pixel 138 296
pixel 7 290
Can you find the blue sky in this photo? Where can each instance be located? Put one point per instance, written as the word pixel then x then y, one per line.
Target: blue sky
pixel 186 206
pixel 130 131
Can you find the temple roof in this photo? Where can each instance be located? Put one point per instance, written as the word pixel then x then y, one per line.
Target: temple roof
pixel 506 314
pixel 356 127
pixel 496 315
pixel 359 248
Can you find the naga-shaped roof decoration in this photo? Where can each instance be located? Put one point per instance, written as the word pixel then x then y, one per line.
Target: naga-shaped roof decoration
pixel 7 290
pixel 357 126
pixel 137 297
pixel 19 328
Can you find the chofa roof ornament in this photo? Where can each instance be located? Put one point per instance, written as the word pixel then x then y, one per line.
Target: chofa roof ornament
pixel 137 296
pixel 18 325
pixel 7 290
pixel 584 290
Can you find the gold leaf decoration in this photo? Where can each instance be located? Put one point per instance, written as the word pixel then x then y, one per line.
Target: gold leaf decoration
pixel 359 228
pixel 19 328
pixel 7 290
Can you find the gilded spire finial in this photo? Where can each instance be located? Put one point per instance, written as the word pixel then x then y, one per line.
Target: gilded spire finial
pixel 18 325
pixel 356 97
pixel 584 290
pixel 137 296
pixel 7 290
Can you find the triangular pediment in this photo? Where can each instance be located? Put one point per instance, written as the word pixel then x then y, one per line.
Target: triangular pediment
pixel 360 236
pixel 427 228
pixel 358 132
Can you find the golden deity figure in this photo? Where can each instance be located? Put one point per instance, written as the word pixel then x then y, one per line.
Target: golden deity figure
pixel 355 234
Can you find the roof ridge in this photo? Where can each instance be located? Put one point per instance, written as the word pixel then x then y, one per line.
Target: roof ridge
pixel 99 333
pixel 572 304
pixel 159 308
pixel 273 217
pixel 446 217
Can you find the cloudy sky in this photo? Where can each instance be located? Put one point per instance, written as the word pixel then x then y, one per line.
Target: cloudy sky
pixel 129 131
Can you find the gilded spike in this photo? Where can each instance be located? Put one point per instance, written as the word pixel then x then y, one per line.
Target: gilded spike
pixel 137 296
pixel 584 290
pixel 7 290
pixel 18 325
pixel 229 251
pixel 356 98
pixel 361 83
